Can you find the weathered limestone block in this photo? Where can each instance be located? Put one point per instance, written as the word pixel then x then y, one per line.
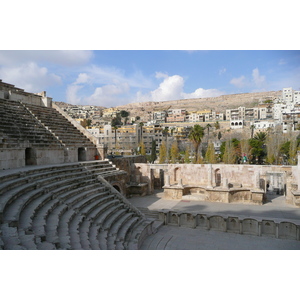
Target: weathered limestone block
pixel 250 226
pixel 202 221
pixel 217 195
pixel 233 224
pixel 287 230
pixel 188 220
pixel 173 218
pixel 239 196
pixel 257 197
pixel 173 192
pixel 217 223
pixel 268 228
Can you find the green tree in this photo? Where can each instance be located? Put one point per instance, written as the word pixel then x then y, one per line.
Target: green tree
pixel 261 136
pixel 229 156
pixel 174 152
pixel 124 113
pixel 187 156
pixel 208 126
pixel 86 123
pixel 116 121
pixel 219 135
pixel 274 148
pixel 217 125
pixel 292 152
pixel 252 127
pixel 162 153
pixel 153 156
pixel 257 151
pixel 196 135
pixel 210 155
pixel 142 149
pixel 230 151
pixel 115 128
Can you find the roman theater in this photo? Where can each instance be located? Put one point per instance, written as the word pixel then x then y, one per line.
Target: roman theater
pixel 58 189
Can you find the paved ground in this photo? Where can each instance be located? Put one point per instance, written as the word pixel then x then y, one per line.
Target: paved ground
pixel 179 238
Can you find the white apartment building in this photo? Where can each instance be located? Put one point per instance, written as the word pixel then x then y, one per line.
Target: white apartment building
pixel 237 124
pixel 263 125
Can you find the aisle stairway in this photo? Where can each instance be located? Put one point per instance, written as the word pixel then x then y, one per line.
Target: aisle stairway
pixel 67 206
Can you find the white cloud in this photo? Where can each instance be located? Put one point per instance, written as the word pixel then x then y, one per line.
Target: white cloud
pixel 171 88
pixel 202 93
pixel 159 75
pixel 257 82
pixel 258 79
pixel 111 75
pixel 71 94
pixel 239 82
pixel 29 76
pixel 107 95
pixel 82 78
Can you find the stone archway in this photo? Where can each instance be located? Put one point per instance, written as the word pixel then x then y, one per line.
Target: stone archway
pixel 218 177
pixel 117 186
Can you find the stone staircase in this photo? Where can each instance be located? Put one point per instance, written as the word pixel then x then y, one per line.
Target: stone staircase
pixel 152 214
pixel 17 127
pixel 68 206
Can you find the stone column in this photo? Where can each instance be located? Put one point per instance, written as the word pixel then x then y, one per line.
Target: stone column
pixel 225 183
pixel 257 177
pixel 167 183
pixel 209 185
pixel 180 182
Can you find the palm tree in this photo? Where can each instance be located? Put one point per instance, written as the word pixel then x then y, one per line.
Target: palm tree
pixel 261 136
pixel 115 128
pixel 252 127
pixel 196 136
pixel 208 126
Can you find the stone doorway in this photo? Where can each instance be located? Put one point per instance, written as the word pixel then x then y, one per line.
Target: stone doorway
pixel 275 186
pixel 30 157
pixel 81 154
pixel 159 178
pixel 218 177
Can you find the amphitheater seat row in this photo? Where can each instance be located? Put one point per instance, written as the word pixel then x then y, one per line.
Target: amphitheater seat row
pixel 67 133
pixel 67 207
pixel 18 125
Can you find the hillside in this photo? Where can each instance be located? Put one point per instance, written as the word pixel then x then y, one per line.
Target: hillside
pixel 218 104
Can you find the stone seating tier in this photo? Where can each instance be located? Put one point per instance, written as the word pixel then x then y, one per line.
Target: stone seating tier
pixel 67 133
pixel 65 207
pixel 17 125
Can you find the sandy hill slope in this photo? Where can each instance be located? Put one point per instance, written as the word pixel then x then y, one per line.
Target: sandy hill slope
pixel 218 104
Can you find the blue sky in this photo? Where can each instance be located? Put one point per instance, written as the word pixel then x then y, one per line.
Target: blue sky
pixel 110 78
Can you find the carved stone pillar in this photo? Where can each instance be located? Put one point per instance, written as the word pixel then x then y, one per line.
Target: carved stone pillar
pixel 209 176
